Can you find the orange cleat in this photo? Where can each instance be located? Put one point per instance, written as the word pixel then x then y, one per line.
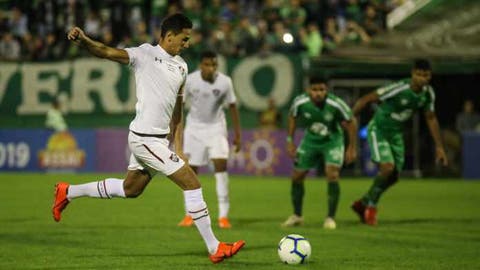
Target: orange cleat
pixel 61 200
pixel 224 223
pixel 359 208
pixel 226 250
pixel 371 215
pixel 187 221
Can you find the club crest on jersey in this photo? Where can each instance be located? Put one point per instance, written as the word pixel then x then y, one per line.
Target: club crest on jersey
pixel 173 157
pixel 182 70
pixel 404 101
pixel 307 115
pixel 216 92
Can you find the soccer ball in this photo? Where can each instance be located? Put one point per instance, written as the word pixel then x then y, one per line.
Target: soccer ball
pixel 294 249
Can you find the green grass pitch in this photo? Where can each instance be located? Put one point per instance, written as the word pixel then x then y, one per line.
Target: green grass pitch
pixel 427 224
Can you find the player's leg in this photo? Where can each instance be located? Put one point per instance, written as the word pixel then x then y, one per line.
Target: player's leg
pixel 333 153
pixel 297 192
pixel 187 180
pixel 222 187
pixel 133 185
pixel 196 151
pixel 218 150
pixel 381 153
pixel 187 220
pixel 306 158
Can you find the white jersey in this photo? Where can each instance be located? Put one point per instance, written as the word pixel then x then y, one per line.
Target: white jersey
pixel 207 99
pixel 158 78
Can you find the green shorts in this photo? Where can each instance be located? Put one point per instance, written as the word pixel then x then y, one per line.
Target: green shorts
pixel 309 153
pixel 386 147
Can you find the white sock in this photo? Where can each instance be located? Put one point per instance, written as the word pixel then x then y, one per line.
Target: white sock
pixel 222 193
pixel 197 209
pixel 106 189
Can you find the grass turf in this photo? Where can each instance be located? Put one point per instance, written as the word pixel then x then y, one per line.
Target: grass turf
pixel 430 224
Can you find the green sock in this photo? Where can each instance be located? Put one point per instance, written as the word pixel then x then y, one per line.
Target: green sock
pixel 333 196
pixel 298 190
pixel 373 195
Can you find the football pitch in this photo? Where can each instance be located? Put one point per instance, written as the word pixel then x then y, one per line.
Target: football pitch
pixel 423 224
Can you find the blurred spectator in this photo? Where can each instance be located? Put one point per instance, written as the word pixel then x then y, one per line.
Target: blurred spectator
pixel 353 11
pixel 271 117
pixel 246 35
pixel 293 15
pixel 332 37
pixel 234 28
pixel 9 48
pixel 271 13
pixel 54 119
pixel 18 23
pixel 311 39
pixel 355 34
pixel 468 119
pixel 372 22
pixel 93 25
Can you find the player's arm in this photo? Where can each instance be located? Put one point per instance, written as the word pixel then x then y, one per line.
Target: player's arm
pixel 434 128
pixel 97 48
pixel 364 101
pixel 351 129
pixel 177 124
pixel 292 126
pixel 237 140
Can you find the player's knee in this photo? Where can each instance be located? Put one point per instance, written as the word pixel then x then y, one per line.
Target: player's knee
pixel 386 170
pixel 132 192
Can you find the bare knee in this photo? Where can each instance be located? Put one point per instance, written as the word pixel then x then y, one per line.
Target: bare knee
pixel 299 176
pixel 135 183
pixel 386 169
pixel 332 173
pixel 185 178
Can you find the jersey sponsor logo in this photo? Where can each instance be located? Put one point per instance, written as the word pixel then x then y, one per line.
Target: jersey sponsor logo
pixel 158 59
pixel 173 157
pixel 319 129
pixel 402 116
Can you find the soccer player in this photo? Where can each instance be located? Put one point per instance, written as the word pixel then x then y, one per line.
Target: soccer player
pixel 397 103
pixel 160 76
pixel 205 135
pixel 325 117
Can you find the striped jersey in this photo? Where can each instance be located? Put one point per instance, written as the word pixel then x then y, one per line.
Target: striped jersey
pixel 399 102
pixel 322 122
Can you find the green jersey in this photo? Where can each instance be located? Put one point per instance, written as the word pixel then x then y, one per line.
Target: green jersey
pixel 399 102
pixel 322 122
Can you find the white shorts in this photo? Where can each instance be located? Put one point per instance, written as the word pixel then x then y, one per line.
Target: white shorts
pixel 152 154
pixel 203 144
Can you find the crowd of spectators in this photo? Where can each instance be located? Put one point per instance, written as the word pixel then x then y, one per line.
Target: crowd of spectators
pixel 35 30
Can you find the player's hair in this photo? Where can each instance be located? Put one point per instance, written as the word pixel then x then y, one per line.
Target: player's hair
pixel 422 64
pixel 175 23
pixel 316 80
pixel 208 54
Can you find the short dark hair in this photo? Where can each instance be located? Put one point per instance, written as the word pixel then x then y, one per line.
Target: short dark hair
pixel 208 54
pixel 422 64
pixel 317 79
pixel 175 23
